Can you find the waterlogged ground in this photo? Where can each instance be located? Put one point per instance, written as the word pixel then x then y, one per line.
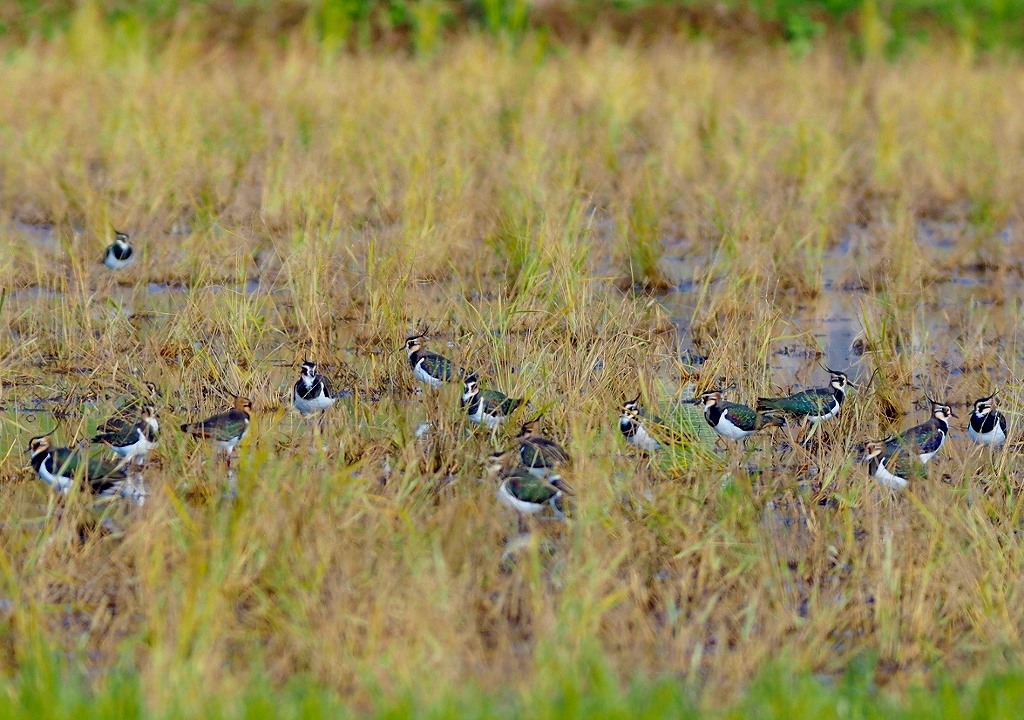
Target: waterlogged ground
pixel 577 227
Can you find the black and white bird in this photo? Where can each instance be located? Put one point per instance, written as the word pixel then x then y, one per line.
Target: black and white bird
pixel 733 420
pixel 60 468
pixel 312 392
pixel 814 405
pixel 987 425
pixel 540 455
pixel 225 430
pixel 486 407
pixel 643 430
pixel 926 439
pixel 893 465
pixel 131 442
pixel 523 491
pixel 428 367
pixel 120 253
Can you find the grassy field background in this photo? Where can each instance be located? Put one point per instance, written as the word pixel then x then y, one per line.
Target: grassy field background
pixel 579 223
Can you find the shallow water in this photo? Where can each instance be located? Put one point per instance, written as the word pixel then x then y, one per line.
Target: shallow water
pixel 834 316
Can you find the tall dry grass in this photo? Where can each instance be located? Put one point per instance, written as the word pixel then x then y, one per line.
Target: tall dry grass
pixel 297 204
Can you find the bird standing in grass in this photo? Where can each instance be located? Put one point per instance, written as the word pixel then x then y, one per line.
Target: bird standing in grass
pixel 987 425
pixel 131 442
pixel 733 420
pixel 60 467
pixel 428 367
pixel 226 429
pixel 128 410
pixel 892 465
pixel 539 455
pixel 120 253
pixel 312 392
pixel 486 407
pixel 524 492
pixel 645 431
pixel 814 405
pixel 927 438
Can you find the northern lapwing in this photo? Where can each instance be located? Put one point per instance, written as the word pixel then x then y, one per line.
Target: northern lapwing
pixel 892 465
pixel 428 367
pixel 129 408
pixel 987 425
pixel 132 442
pixel 312 392
pixel 120 253
pixel 540 455
pixel 523 491
pixel 733 420
pixel 60 468
pixel 927 438
pixel 226 429
pixel 814 405
pixel 486 407
pixel 645 431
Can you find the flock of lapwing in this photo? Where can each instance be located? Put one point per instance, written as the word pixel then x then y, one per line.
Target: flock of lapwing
pixel 529 474
pixel 893 461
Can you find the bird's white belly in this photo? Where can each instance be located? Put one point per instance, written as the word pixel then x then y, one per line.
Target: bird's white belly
pixel 925 457
pixel 312 405
pixel 60 482
pixel 995 437
pixel 726 428
pixel 515 503
pixel 894 482
pixel 140 448
pixel 643 439
pixel 114 264
pixel 424 377
pixel 227 446
pixel 827 416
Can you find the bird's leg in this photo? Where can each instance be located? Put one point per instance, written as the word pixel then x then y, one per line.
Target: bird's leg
pixel 232 490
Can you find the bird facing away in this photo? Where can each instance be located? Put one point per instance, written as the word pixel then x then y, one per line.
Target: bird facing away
pixel 733 420
pixel 486 407
pixel 312 392
pixel 119 254
pixel 540 455
pixel 645 431
pixel 60 467
pixel 132 442
pixel 987 425
pixel 524 492
pixel 893 467
pixel 428 367
pixel 226 429
pixel 927 438
pixel 814 405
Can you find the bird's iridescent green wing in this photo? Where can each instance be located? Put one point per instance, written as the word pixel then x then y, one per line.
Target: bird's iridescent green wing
pixel 817 401
pixel 117 433
pixel 70 462
pixel 926 437
pixel 437 366
pixel 223 427
pixel 905 463
pixel 531 489
pixel 496 400
pixel 743 417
